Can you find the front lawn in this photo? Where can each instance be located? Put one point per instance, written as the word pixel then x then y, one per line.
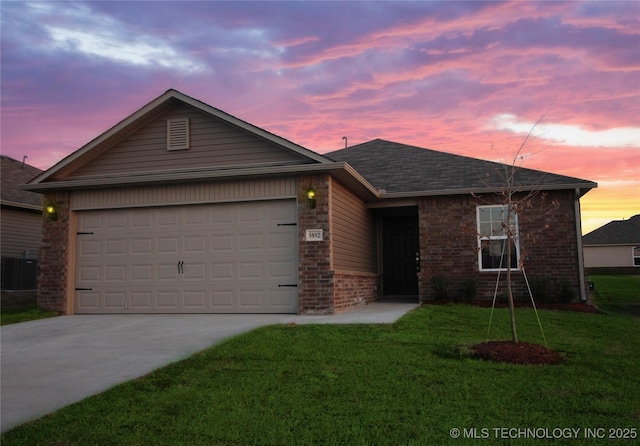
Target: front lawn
pixel 617 294
pixel 407 383
pixel 12 314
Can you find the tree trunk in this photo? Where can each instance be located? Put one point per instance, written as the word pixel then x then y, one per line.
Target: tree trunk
pixel 512 315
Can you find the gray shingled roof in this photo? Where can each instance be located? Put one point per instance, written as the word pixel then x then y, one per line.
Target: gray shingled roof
pixel 15 174
pixel 402 168
pixel 617 232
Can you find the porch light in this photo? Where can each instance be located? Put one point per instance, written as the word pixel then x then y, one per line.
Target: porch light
pixel 311 197
pixel 50 211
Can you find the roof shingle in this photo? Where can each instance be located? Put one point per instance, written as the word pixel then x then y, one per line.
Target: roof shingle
pixel 399 168
pixel 616 232
pixel 15 174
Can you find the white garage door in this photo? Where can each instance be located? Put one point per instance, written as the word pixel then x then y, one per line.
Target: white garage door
pixel 222 258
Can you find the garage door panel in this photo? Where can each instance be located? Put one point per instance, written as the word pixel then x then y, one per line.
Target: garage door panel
pixel 116 221
pixel 222 271
pixel 168 246
pixel 281 298
pixel 195 300
pixel 88 248
pixel 115 273
pixel 88 300
pixel 142 221
pixel 195 271
pixel 169 217
pixel 251 242
pixel 168 300
pixel 250 271
pixel 89 274
pixel 222 243
pixel 167 272
pixel 251 298
pixel 281 269
pixel 141 273
pixel 141 300
pixel 222 300
pixel 195 244
pixel 226 258
pixel 115 299
pixel 141 246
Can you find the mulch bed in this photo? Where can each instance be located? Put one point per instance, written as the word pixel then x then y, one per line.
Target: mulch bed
pixel 515 353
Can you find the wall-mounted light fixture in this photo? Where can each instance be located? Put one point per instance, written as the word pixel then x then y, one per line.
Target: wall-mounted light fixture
pixel 50 211
pixel 311 197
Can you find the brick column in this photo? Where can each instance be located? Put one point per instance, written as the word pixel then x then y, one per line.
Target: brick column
pixel 52 277
pixel 315 271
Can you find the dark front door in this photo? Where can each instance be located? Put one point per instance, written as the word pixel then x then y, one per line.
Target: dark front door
pixel 400 248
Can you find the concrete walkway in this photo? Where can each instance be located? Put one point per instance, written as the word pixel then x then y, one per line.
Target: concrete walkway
pixel 50 363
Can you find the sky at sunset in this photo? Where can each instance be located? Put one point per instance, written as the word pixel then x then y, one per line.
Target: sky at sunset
pixel 469 78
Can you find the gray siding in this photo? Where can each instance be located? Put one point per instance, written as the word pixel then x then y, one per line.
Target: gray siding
pixel 214 143
pixel 247 190
pixel 21 232
pixel 353 232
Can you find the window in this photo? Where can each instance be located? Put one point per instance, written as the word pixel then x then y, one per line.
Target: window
pixel 636 256
pixel 493 238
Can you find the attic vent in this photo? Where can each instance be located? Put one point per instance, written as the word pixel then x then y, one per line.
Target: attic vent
pixel 178 134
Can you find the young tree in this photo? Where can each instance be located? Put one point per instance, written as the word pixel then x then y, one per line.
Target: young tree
pixel 515 199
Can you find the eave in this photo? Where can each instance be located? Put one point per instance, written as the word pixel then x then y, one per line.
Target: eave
pixel 583 188
pixel 341 171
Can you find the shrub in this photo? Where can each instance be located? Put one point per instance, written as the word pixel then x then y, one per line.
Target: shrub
pixel 439 287
pixel 468 289
pixel 549 290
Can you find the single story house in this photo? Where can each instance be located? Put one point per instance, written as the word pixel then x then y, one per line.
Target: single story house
pixel 20 225
pixel 183 208
pixel 614 247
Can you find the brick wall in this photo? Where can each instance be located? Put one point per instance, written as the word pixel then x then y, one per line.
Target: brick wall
pixel 448 244
pixel 316 281
pixel 353 289
pixel 52 279
pixel 322 289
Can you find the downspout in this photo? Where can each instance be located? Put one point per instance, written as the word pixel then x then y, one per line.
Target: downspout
pixel 578 218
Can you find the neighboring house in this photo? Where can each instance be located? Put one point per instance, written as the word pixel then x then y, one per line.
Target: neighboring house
pixel 614 246
pixel 20 226
pixel 182 208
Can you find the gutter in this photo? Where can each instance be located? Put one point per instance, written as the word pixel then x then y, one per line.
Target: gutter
pixel 578 219
pixel 25 206
pixel 578 187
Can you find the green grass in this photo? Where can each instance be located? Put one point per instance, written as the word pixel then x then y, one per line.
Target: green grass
pixel 617 294
pixel 407 383
pixel 22 313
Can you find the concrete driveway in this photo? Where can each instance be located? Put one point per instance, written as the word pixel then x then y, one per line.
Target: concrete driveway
pixel 50 363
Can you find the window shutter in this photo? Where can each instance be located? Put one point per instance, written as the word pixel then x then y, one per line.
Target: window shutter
pixel 178 134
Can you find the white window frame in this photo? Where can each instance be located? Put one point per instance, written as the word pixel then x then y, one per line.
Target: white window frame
pixel 635 257
pixel 496 234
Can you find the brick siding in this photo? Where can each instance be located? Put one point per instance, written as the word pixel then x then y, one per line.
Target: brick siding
pixel 448 243
pixel 353 289
pixel 321 289
pixel 315 277
pixel 52 279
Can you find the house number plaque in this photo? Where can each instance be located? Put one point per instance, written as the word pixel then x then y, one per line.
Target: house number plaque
pixel 313 235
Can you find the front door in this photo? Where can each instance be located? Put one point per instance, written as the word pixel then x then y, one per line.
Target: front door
pixel 400 251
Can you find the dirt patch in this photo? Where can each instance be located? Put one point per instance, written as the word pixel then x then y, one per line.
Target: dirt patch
pixel 515 353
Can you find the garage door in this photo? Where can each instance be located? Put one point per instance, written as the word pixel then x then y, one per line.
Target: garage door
pixel 222 258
